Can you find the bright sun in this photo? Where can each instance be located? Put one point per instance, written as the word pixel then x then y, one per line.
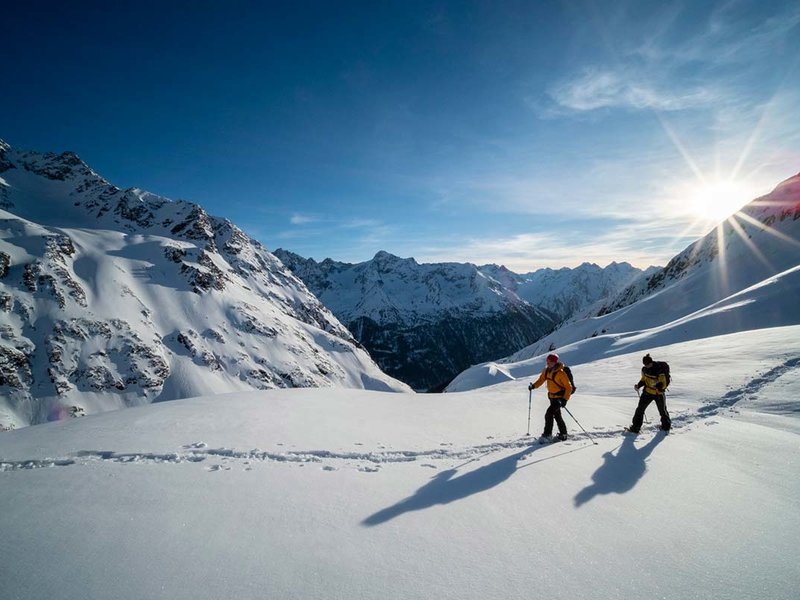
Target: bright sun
pixel 714 201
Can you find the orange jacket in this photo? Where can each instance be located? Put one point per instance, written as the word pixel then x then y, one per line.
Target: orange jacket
pixel 558 385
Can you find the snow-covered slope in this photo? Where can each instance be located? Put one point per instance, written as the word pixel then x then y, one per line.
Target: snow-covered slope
pixel 566 292
pixel 762 239
pixel 112 298
pixel 422 323
pixel 744 275
pixel 320 494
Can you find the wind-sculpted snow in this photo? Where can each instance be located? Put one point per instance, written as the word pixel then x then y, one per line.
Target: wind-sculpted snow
pixel 112 298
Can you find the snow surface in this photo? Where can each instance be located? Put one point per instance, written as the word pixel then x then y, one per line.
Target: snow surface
pixel 336 493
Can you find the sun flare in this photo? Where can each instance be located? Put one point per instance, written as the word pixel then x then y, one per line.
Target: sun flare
pixel 715 201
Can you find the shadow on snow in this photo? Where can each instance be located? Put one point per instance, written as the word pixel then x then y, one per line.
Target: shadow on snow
pixel 619 472
pixel 445 487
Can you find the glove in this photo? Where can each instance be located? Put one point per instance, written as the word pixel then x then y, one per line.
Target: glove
pixel 660 386
pixel 530 386
pixel 562 402
pixel 636 387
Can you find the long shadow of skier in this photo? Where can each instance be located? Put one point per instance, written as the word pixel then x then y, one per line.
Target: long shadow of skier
pixel 445 488
pixel 619 472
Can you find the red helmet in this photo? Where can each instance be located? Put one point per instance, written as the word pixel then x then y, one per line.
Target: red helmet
pixel 552 358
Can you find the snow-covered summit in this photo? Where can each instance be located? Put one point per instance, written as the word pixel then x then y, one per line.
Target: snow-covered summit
pixel 423 323
pixel 567 291
pixel 112 297
pixel 388 287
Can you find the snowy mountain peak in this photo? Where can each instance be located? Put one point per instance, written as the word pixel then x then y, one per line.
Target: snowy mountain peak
pixel 384 262
pixel 113 297
pixel 61 167
pixel 566 292
pixel 422 322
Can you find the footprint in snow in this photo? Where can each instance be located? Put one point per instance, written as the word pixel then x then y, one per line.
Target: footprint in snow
pixel 429 466
pixel 369 469
pixel 328 468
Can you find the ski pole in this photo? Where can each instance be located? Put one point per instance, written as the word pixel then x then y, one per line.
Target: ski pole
pixel 579 425
pixel 530 393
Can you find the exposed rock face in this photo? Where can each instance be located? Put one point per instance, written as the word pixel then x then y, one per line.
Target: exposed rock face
pixel 111 298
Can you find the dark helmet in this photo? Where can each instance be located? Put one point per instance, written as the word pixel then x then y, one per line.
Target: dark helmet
pixel 646 360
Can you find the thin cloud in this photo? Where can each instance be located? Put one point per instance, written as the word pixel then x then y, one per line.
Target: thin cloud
pixel 727 39
pixel 527 252
pixel 651 71
pixel 361 224
pixel 298 219
pixel 602 88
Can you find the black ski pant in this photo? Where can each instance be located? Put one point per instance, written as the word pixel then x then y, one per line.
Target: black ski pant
pixel 554 413
pixel 644 402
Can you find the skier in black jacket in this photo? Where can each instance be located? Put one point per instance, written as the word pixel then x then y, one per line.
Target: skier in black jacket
pixel 654 380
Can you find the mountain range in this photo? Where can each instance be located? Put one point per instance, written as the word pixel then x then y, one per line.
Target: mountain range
pixel 425 323
pixel 112 298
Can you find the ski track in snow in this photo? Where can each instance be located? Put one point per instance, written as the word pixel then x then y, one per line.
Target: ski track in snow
pixel 748 391
pixel 371 462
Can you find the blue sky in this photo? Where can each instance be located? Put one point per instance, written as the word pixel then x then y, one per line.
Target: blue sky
pixel 529 133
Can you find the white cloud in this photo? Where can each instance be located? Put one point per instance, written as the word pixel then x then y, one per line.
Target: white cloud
pixel 298 219
pixel 658 65
pixel 603 88
pixel 527 252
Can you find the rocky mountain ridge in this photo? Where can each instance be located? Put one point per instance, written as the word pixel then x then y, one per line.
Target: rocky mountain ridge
pixel 112 297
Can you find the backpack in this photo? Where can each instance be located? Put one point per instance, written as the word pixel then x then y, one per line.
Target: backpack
pixel 568 371
pixel 659 367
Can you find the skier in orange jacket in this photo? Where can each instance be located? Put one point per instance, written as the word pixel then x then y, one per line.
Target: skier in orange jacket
pixel 559 389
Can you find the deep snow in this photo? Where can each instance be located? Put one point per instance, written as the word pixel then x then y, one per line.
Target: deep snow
pixel 320 493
